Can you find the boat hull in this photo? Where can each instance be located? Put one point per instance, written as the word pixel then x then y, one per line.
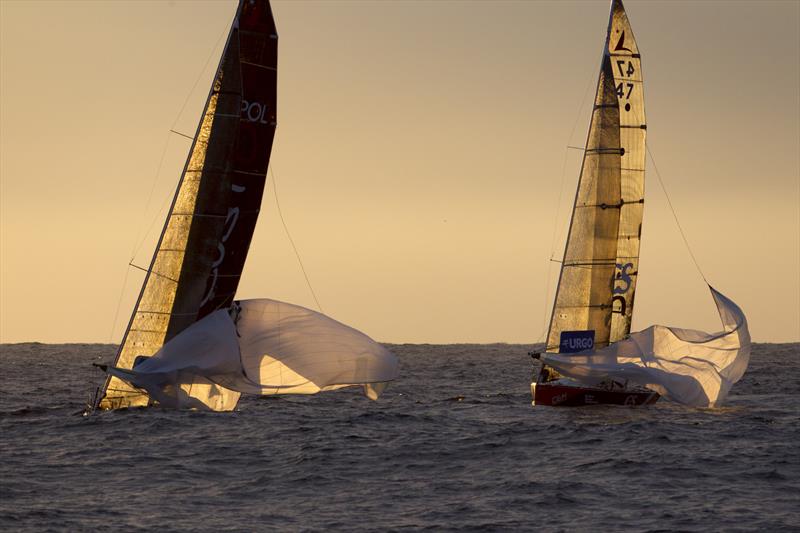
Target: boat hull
pixel 559 395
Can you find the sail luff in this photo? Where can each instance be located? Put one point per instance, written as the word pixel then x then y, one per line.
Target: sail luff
pixel 120 387
pixel 551 332
pixel 588 261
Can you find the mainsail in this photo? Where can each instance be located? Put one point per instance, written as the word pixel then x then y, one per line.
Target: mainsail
pixel 199 258
pixel 601 259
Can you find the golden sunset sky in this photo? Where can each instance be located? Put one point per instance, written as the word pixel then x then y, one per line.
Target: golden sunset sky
pixel 418 157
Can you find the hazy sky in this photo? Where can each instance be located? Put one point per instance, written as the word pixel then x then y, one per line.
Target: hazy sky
pixel 418 157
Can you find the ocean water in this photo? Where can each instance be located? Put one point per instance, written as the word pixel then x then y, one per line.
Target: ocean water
pixel 452 445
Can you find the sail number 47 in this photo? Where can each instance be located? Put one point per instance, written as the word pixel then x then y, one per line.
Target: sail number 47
pixel 621 90
pixel 625 72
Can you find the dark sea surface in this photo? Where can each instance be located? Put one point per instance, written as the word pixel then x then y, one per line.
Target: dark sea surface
pixel 454 444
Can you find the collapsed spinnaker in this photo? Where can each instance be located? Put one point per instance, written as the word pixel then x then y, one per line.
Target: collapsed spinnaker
pixel 686 366
pixel 262 347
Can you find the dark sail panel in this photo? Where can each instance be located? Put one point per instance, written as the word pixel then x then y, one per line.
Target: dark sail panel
pixel 199 259
pixel 247 166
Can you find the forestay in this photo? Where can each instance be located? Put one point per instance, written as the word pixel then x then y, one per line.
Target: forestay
pixel 261 347
pixel 687 366
pixel 601 259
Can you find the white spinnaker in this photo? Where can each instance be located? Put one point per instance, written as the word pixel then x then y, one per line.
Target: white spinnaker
pixel 687 366
pixel 274 348
pixel 185 372
pixel 288 349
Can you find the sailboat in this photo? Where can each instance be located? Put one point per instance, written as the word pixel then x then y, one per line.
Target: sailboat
pixel 591 356
pixel 189 343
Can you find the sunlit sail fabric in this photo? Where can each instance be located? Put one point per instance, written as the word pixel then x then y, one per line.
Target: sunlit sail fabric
pixel 626 64
pixel 686 366
pixel 262 347
pixel 199 258
pixel 601 259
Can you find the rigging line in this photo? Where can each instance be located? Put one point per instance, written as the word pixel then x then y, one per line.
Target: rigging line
pixel 137 266
pixel 553 239
pixel 286 229
pixel 140 239
pixel 119 304
pixel 136 243
pixel 675 216
pixel 157 217
pixel 211 54
pixel 182 134
pixel 558 203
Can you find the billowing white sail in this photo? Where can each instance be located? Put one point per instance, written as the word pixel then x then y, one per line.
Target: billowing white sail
pixel 687 366
pixel 179 374
pixel 267 347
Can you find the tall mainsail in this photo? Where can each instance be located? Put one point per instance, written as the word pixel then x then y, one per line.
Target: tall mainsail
pixel 601 259
pixel 199 258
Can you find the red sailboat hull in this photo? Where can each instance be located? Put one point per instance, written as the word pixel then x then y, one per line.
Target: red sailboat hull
pixel 560 395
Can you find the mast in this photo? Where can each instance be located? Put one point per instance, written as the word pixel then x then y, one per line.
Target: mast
pixel 200 254
pixel 597 283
